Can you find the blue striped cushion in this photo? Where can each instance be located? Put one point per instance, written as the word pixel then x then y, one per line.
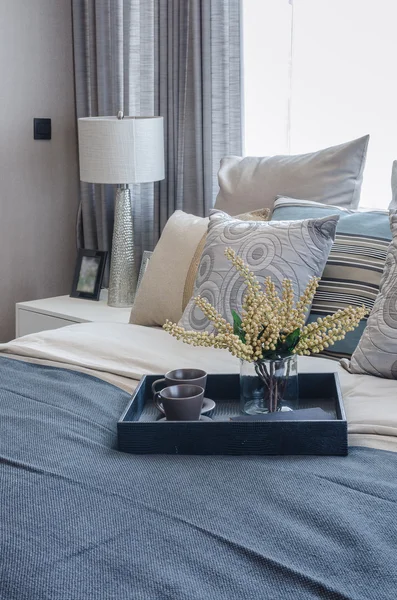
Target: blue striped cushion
pixel 355 265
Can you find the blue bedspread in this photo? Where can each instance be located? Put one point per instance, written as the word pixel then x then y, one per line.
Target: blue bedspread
pixel 80 520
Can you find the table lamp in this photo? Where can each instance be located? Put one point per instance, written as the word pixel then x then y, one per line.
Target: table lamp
pixel 121 150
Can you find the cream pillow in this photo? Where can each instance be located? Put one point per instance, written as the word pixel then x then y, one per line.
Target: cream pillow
pixel 168 282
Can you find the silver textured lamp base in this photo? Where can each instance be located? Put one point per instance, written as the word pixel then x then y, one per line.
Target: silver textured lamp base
pixel 123 276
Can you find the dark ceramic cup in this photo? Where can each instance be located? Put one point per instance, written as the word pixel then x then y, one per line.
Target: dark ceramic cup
pixel 176 377
pixel 182 402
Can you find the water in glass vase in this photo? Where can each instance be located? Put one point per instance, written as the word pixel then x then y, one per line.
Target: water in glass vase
pixel 269 385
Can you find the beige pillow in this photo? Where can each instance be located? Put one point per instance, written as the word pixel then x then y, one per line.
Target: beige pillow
pixel 168 282
pixel 331 176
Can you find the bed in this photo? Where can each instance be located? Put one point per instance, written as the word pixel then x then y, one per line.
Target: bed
pixel 82 520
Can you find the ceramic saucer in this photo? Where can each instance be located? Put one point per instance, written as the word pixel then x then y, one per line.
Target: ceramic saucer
pixel 208 406
pixel 202 418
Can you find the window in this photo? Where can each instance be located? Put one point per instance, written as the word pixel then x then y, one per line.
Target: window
pixel 319 73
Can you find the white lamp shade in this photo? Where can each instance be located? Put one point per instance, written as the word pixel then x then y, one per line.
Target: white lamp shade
pixel 128 150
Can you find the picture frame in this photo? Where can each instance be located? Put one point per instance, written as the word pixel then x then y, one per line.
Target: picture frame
pixel 144 264
pixel 88 274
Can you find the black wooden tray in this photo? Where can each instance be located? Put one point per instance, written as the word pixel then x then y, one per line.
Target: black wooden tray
pixel 140 433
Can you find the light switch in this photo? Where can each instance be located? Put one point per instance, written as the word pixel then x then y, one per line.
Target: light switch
pixel 42 129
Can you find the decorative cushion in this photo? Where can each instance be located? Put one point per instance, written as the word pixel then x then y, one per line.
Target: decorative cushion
pixel 330 176
pixel 393 203
pixel 167 284
pixel 354 267
pixel 297 250
pixel 376 353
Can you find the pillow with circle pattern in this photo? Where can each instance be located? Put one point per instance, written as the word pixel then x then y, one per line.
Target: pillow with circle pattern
pixel 296 250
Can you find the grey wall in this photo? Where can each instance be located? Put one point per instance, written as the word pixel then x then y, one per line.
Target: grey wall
pixel 38 179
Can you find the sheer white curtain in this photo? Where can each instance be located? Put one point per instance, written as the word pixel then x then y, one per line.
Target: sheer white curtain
pixel 321 72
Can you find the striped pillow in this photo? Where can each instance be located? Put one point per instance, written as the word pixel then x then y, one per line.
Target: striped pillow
pixel 355 265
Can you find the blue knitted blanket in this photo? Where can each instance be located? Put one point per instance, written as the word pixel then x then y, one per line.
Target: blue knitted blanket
pixel 81 521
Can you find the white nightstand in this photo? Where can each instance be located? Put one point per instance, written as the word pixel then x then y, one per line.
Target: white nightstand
pixel 52 313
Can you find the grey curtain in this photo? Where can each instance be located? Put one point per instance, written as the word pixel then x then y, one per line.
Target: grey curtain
pixel 175 58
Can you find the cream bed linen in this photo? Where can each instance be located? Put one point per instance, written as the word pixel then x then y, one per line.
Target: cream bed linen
pixel 122 353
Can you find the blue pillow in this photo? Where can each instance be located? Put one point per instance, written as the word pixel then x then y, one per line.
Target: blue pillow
pixel 354 267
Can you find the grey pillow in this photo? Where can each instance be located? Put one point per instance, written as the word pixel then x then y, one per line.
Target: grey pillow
pixel 376 353
pixel 296 250
pixel 330 176
pixel 393 203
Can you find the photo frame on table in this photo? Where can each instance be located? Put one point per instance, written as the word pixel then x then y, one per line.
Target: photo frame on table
pixel 144 263
pixel 88 274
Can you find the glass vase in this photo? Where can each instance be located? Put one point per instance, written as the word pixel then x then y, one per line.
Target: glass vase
pixel 269 385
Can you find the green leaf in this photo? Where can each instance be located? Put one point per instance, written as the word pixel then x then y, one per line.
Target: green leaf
pixel 291 340
pixel 262 331
pixel 236 322
pixel 237 326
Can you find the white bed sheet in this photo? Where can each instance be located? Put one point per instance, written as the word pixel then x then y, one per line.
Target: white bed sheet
pixel 122 353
